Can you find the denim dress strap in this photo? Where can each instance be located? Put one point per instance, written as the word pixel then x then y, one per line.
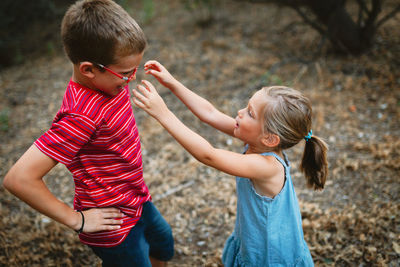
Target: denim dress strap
pixel 285 162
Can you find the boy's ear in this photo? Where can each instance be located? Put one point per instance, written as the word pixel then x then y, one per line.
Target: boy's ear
pixel 271 140
pixel 86 69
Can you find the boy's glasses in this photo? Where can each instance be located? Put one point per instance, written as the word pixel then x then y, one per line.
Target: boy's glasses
pixel 127 79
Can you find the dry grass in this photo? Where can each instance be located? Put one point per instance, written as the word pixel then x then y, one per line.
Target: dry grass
pixel 354 221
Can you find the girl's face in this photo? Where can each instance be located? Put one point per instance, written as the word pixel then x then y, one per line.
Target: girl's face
pixel 249 121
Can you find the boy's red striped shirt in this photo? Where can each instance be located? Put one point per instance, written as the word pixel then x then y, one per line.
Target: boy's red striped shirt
pixel 96 137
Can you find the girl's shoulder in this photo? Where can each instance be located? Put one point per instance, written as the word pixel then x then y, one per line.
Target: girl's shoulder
pixel 275 165
pixel 246 165
pixel 273 161
pixel 272 183
pixel 267 165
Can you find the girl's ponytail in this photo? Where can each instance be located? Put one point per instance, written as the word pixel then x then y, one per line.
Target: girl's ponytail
pixel 289 115
pixel 314 163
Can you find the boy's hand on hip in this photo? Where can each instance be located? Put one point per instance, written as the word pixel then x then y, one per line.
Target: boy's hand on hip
pixel 100 219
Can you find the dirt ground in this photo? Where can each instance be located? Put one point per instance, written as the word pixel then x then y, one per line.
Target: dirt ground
pixel 354 221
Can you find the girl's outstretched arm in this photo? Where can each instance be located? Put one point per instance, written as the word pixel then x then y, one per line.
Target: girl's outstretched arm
pixel 200 107
pixel 252 166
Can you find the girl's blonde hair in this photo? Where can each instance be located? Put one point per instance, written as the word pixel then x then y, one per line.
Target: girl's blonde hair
pixel 289 116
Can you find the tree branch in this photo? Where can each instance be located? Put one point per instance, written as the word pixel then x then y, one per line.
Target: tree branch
pixel 309 21
pixel 375 10
pixel 388 16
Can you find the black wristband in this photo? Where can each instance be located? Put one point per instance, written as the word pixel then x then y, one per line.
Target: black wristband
pixel 83 223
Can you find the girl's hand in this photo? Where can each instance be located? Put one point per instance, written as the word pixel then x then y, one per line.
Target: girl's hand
pixel 155 68
pixel 149 100
pixel 100 219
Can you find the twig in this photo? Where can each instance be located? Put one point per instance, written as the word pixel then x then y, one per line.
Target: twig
pixel 173 190
pixel 300 74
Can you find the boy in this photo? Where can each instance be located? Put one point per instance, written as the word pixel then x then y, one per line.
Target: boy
pixel 95 135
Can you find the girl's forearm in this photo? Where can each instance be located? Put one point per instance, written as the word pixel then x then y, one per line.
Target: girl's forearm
pixel 203 109
pixel 196 145
pixel 200 107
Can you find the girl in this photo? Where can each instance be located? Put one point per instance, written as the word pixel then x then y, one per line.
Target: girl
pixel 268 229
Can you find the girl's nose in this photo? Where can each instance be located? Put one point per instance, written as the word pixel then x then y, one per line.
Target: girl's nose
pixel 240 112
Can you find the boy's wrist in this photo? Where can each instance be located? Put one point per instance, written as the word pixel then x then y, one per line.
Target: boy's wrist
pixel 77 221
pixel 80 230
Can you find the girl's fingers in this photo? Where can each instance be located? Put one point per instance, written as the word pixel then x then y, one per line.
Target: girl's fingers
pixel 136 94
pixel 152 64
pixel 139 99
pixel 138 103
pixel 149 67
pixel 143 90
pixel 152 72
pixel 148 85
pixel 156 74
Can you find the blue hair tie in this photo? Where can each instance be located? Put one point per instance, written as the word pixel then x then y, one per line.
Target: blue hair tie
pixel 308 136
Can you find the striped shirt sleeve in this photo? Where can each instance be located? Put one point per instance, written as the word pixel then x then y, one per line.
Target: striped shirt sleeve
pixel 66 137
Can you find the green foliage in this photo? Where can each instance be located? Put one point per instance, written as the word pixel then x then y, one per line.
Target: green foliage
pixel 270 78
pixel 51 49
pixel 4 121
pixel 148 9
pixel 203 10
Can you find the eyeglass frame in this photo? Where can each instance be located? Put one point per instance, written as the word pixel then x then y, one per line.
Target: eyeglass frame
pixel 127 79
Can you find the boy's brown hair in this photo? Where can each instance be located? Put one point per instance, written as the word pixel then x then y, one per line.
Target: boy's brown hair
pixel 100 31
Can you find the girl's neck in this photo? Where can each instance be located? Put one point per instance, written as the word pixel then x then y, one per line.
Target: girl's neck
pixel 258 150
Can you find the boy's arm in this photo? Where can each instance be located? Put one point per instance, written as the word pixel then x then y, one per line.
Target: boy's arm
pixel 25 180
pixel 250 166
pixel 200 107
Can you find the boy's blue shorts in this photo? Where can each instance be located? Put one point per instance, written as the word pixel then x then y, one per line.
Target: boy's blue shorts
pixel 151 235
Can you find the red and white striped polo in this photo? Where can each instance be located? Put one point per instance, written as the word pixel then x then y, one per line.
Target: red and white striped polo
pixel 96 137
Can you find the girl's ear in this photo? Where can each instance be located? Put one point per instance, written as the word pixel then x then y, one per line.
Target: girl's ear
pixel 271 140
pixel 86 69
